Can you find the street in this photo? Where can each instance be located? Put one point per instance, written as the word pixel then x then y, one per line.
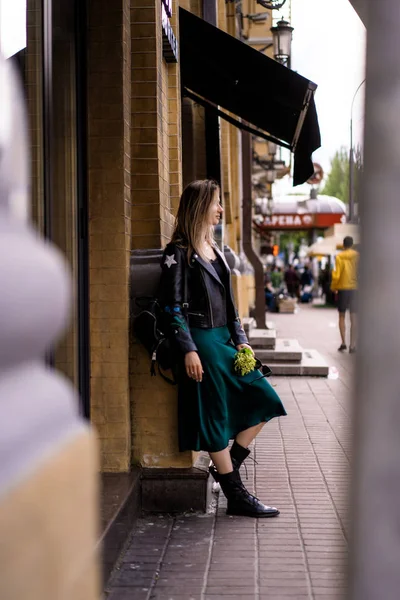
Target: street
pixel 302 467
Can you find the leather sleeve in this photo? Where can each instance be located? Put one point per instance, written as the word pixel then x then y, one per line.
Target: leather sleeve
pixel 173 264
pixel 237 332
pixel 234 325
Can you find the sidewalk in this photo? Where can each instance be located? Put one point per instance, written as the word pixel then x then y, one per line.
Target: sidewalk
pixel 303 468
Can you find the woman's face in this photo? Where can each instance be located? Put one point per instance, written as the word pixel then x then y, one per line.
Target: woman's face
pixel 215 210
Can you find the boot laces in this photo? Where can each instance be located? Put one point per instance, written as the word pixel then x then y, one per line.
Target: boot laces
pixel 245 466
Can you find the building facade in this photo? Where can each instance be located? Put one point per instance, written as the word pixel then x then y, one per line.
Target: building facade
pixel 112 144
pixel 116 132
pixel 123 110
pixel 122 115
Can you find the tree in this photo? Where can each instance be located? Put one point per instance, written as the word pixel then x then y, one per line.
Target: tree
pixel 337 183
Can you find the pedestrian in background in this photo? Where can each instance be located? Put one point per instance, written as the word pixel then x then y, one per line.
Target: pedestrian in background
pixel 344 282
pixel 306 278
pixel 269 291
pixel 306 283
pixel 276 278
pixel 215 405
pixel 292 281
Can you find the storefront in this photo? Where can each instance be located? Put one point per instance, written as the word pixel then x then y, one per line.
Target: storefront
pixel 311 215
pixel 49 49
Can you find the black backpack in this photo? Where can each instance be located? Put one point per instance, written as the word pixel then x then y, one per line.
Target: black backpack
pixel 150 328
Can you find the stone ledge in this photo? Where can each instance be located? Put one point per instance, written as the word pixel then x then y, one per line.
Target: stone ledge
pixel 177 490
pixel 288 350
pixel 312 364
pixel 262 338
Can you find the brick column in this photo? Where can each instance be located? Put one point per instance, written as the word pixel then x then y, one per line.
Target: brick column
pixel 109 91
pixel 156 168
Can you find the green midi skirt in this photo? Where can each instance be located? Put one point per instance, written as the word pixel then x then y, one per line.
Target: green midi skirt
pixel 214 411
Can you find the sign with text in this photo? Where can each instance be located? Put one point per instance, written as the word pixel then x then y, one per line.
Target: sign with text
pixel 170 43
pixel 301 221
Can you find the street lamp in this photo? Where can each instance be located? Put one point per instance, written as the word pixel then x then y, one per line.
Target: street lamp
pixel 270 173
pixel 351 159
pixel 272 147
pixel 282 38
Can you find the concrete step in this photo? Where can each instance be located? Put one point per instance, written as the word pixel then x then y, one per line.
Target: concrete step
pixel 284 351
pixel 262 338
pixel 249 323
pixel 312 364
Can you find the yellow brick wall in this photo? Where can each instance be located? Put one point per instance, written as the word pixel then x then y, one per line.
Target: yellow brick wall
pixel 110 227
pixel 146 111
pixel 231 165
pixel 226 155
pixel 155 200
pixel 154 417
pixel 175 123
pixel 234 227
pixel 135 181
pixel 236 189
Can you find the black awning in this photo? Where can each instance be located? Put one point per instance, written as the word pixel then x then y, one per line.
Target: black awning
pixel 227 73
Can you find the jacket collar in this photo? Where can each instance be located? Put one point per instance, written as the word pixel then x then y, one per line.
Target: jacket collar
pixel 208 266
pixel 222 256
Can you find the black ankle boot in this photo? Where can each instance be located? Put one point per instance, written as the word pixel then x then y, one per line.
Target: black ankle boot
pixel 240 501
pixel 238 456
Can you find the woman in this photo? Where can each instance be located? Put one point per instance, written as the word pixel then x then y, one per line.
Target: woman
pixel 215 404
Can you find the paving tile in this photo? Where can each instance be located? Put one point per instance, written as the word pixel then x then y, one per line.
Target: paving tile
pixel 232 596
pixel 128 594
pixel 161 594
pixel 283 591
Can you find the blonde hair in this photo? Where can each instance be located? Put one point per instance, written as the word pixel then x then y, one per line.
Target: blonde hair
pixel 191 225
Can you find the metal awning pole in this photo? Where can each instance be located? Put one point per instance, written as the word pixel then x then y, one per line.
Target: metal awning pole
pixel 375 572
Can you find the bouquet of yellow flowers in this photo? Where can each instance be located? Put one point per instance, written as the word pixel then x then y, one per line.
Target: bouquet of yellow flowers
pixel 244 361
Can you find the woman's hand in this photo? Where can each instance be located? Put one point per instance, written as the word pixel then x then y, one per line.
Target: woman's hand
pixel 193 366
pixel 240 346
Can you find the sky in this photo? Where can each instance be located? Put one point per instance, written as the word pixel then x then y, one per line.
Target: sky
pixel 12 26
pixel 329 48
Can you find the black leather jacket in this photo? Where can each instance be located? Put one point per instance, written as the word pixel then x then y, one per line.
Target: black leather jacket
pixel 210 303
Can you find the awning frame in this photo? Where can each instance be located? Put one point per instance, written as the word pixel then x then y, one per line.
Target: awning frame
pixel 239 124
pixel 307 99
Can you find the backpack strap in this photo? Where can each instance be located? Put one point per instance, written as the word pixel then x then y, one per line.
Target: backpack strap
pixel 172 381
pixel 185 304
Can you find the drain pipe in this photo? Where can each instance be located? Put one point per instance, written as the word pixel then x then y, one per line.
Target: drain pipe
pixel 248 248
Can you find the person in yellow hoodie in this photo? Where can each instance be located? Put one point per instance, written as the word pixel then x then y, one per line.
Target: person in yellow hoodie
pixel 344 281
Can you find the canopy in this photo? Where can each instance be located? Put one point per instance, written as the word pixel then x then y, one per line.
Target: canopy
pixel 219 70
pixel 330 245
